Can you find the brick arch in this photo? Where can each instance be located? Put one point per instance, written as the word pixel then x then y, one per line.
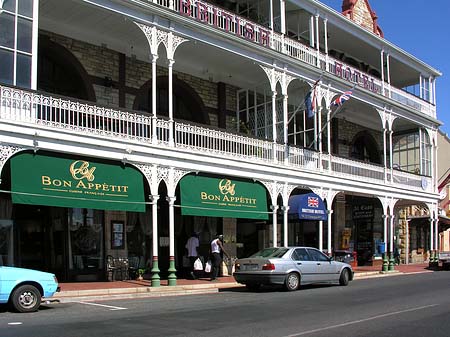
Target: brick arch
pixel 188 105
pixel 57 60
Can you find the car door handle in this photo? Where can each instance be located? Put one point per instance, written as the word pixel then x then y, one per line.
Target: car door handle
pixel 318 264
pixel 299 263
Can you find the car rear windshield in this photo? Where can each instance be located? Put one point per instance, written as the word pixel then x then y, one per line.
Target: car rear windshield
pixel 270 252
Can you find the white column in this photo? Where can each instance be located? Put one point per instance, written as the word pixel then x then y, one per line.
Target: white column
pixel 285 226
pixel 430 90
pixel 274 209
pixel 385 153
pixel 311 31
pixel 420 86
pixel 330 212
pixel 285 118
pixel 382 71
pixel 329 137
pixel 171 201
pixel 385 224
pixel 34 45
pixel 274 124
pixel 434 162
pixel 285 128
pixel 325 30
pixel 431 234
pixel 171 124
pixel 319 128
pixel 434 91
pixel 321 235
pixel 154 201
pixel 271 14
pixel 283 16
pixel 436 234
pixel 391 233
pixel 154 112
pixel 390 154
pixel 317 41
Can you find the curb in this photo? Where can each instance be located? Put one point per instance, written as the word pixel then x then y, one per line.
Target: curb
pixel 142 292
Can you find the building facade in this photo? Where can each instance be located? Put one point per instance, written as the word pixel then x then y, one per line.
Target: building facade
pixel 127 125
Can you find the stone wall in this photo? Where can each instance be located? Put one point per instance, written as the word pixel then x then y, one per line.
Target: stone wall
pixel 100 62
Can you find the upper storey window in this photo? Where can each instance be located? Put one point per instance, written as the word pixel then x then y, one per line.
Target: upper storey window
pixel 16 35
pixel 412 152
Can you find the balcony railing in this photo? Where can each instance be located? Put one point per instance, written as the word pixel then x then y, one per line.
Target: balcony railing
pixel 32 108
pixel 232 23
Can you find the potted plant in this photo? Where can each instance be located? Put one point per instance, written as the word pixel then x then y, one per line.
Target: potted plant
pixel 141 272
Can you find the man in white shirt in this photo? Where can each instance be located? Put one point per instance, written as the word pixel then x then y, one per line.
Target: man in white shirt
pixel 216 248
pixel 191 246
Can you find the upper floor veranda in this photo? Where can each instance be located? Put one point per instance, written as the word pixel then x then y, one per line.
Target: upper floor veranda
pixel 113 69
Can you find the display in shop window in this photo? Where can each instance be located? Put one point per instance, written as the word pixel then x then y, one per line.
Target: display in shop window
pixel 117 235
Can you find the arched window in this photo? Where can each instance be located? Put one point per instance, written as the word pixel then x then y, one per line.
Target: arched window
pixel 59 72
pixel 365 148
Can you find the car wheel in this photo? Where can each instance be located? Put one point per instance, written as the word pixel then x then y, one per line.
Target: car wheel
pixel 344 278
pixel 26 298
pixel 253 286
pixel 292 282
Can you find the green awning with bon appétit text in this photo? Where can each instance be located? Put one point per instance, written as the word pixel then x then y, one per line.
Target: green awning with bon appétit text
pixel 223 197
pixel 75 182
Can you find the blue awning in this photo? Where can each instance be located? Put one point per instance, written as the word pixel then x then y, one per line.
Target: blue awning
pixel 308 207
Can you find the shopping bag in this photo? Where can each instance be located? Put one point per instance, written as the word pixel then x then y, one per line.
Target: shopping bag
pixel 208 267
pixel 198 265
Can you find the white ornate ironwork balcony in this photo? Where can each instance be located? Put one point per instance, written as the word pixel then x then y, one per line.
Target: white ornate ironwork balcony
pixel 234 24
pixel 86 120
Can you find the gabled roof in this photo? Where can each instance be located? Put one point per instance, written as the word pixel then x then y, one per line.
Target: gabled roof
pixel 348 7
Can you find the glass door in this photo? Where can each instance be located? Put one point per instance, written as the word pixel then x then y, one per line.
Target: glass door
pixel 86 244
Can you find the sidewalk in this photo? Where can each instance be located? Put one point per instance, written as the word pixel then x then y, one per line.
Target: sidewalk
pixel 94 291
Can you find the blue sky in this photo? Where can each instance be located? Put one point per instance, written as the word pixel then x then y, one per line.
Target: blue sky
pixel 422 30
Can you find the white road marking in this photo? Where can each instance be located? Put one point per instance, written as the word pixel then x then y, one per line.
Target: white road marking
pixel 361 320
pixel 15 323
pixel 111 307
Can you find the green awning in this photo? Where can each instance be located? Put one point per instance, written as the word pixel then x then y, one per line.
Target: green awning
pixel 223 197
pixel 39 179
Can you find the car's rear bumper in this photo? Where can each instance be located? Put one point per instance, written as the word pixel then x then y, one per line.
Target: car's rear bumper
pixel 242 277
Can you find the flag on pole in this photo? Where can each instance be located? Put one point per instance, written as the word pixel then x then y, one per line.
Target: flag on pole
pixel 310 104
pixel 310 99
pixel 342 98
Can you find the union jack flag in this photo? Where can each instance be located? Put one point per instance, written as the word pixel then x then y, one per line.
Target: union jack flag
pixel 342 98
pixel 313 202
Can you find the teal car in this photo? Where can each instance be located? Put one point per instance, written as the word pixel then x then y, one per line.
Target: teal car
pixel 24 289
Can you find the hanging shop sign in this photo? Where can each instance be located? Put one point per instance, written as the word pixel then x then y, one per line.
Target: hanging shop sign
pixel 222 197
pixel 74 182
pixel 308 207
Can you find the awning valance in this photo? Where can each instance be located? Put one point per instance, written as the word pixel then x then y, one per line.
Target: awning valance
pixel 308 207
pixel 222 197
pixel 39 179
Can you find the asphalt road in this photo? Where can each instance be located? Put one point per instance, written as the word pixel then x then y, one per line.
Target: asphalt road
pixel 414 305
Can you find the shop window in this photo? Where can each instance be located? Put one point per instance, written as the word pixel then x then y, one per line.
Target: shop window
pixel 86 243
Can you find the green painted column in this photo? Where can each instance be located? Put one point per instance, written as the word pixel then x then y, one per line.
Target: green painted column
pixel 172 278
pixel 391 261
pixel 385 262
pixel 156 282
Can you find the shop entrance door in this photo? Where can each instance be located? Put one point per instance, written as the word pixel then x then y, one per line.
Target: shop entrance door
pixel 41 240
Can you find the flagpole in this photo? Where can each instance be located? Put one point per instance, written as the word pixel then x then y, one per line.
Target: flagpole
pixel 328 121
pixel 303 103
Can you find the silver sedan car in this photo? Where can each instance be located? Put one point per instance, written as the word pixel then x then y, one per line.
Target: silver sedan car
pixel 291 267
